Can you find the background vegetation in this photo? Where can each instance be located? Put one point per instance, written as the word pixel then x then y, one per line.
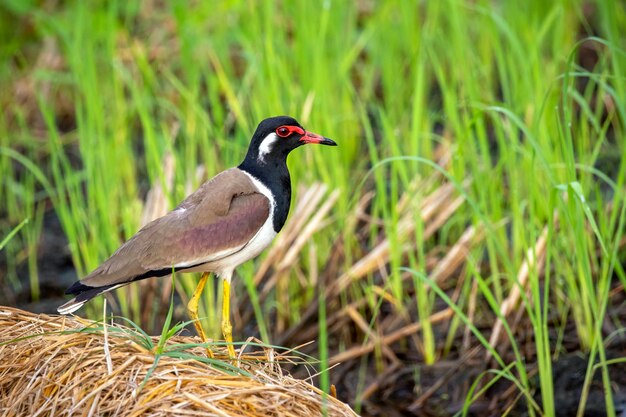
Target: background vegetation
pixel 465 251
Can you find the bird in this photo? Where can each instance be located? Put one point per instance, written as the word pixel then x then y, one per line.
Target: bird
pixel 228 220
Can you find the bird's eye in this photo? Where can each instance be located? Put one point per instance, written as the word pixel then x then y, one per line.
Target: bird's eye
pixel 283 132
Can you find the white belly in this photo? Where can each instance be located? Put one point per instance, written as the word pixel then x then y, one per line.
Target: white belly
pixel 259 242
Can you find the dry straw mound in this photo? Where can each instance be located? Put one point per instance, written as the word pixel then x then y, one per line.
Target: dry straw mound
pixel 48 366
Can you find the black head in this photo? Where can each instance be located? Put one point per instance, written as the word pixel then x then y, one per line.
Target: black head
pixel 275 137
pixel 267 159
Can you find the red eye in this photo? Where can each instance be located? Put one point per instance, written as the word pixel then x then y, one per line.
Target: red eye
pixel 283 132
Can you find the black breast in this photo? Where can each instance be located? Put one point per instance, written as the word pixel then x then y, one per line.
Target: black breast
pixel 276 178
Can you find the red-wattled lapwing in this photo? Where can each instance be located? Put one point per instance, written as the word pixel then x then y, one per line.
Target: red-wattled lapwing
pixel 229 220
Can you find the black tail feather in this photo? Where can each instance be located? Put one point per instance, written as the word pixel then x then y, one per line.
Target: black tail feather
pixel 85 293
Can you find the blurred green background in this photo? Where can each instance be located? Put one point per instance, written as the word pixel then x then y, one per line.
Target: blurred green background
pixel 461 251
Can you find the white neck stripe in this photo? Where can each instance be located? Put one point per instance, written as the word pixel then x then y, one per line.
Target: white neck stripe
pixel 266 146
pixel 263 190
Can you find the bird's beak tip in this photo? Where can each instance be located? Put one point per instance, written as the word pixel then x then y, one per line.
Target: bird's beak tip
pixel 329 142
pixel 310 137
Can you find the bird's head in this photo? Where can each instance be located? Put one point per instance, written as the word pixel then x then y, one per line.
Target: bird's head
pixel 275 137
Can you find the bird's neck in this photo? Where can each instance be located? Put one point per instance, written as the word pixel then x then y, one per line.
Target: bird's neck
pixel 275 176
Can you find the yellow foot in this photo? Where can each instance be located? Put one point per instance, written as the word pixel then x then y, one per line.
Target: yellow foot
pixel 192 309
pixel 227 328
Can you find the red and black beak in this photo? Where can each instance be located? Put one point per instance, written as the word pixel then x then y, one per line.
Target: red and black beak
pixel 310 137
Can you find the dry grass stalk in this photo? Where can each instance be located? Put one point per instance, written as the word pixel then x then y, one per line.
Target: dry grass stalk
pixel 440 273
pixel 373 387
pixel 434 210
pixel 535 257
pixel 405 331
pixel 48 366
pixel 455 257
pixel 362 324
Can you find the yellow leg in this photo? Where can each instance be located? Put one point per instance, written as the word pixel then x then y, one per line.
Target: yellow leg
pixel 227 328
pixel 192 309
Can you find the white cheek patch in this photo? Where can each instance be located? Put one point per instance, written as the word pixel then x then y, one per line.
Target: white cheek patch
pixel 266 146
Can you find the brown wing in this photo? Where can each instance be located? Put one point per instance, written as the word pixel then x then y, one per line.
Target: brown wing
pixel 218 219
